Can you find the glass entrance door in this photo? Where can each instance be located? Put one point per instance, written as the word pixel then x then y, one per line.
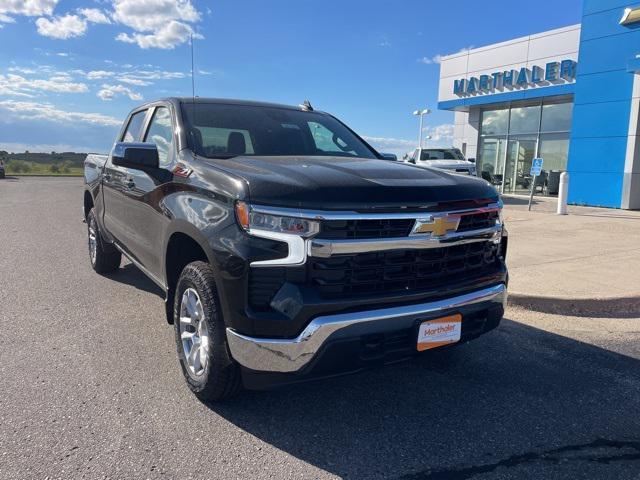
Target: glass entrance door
pixel 520 154
pixel 491 159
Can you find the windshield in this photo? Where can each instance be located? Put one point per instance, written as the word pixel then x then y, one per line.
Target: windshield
pixel 441 154
pixel 224 130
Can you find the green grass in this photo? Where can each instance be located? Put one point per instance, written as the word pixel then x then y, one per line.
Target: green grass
pixel 21 167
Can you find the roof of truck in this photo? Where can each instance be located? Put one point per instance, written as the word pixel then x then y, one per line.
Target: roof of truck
pixel 226 101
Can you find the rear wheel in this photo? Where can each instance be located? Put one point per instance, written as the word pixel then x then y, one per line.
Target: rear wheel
pixel 104 257
pixel 201 340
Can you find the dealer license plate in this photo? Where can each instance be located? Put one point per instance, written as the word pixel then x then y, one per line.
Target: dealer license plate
pixel 439 332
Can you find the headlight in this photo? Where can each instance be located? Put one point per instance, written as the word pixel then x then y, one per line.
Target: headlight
pixel 251 220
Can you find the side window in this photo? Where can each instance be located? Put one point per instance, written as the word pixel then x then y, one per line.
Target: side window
pixel 132 133
pixel 161 133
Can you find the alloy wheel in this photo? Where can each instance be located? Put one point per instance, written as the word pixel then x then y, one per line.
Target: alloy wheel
pixel 194 333
pixel 93 241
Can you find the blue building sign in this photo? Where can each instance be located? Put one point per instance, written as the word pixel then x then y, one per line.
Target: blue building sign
pixel 552 72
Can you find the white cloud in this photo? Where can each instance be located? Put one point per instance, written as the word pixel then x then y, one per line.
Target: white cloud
pixel 398 146
pixel 430 60
pixel 17 85
pixel 438 58
pixel 134 81
pixel 94 15
pixel 99 74
pixel 47 111
pixel 166 37
pixel 387 142
pixel 29 8
pixel 62 77
pixel 64 27
pixel 109 92
pixel 441 135
pixel 161 24
pixel 151 15
pixel 132 75
pixel 158 74
pixel 27 71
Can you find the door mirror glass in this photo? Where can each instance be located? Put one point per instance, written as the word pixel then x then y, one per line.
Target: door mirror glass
pixel 139 156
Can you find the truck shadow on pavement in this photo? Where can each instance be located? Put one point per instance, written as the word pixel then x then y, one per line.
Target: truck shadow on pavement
pixel 519 398
pixel 129 274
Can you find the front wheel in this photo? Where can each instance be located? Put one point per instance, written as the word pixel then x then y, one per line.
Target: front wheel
pixel 200 335
pixel 104 257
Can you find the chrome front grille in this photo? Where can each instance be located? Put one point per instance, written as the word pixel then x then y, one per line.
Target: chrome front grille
pixel 358 254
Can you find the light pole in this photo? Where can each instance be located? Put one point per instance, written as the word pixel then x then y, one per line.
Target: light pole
pixel 421 113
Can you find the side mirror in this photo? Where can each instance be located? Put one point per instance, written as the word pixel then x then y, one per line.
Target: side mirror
pixel 472 160
pixel 389 156
pixel 139 156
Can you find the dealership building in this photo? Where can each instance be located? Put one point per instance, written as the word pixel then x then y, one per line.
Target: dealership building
pixel 570 96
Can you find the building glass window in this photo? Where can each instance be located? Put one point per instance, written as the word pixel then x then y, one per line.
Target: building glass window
pixel 554 148
pixel 510 137
pixel 495 122
pixel 524 119
pixel 556 117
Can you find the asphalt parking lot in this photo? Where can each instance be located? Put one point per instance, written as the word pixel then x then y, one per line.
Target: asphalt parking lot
pixel 90 386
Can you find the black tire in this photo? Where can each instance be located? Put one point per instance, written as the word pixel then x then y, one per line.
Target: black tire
pixel 220 378
pixel 107 258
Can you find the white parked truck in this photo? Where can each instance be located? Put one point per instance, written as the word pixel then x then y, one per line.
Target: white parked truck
pixel 450 159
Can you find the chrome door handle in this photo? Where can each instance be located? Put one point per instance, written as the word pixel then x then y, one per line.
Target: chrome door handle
pixel 130 183
pixel 106 177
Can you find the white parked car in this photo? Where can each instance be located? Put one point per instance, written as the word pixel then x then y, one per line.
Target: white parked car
pixel 450 159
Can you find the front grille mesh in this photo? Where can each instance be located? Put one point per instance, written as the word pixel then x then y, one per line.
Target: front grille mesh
pixel 479 220
pixel 359 229
pixel 401 270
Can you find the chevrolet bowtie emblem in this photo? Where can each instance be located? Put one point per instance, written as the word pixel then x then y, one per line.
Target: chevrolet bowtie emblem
pixel 436 226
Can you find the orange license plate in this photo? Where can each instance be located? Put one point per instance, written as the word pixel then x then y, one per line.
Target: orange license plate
pixel 439 332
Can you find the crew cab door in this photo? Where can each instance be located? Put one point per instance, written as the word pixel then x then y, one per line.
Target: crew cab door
pixel 146 194
pixel 115 181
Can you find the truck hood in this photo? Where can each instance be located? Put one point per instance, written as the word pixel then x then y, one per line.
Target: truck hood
pixel 338 183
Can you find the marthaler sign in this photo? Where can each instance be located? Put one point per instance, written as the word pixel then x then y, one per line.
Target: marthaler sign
pixel 553 72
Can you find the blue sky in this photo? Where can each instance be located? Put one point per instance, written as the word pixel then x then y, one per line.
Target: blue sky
pixel 70 70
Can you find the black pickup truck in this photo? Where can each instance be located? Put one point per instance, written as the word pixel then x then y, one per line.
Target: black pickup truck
pixel 287 247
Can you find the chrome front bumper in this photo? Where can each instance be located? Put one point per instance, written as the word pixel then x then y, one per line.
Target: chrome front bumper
pixel 292 355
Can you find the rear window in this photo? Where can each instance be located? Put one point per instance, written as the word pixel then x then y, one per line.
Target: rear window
pixel 441 154
pixel 223 131
pixel 215 140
